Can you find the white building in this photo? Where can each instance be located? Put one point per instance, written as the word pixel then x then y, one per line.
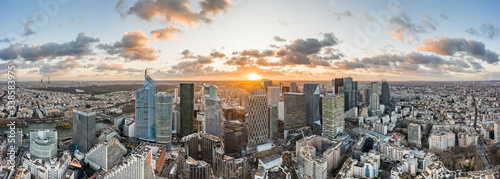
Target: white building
pixel 441 140
pixel 380 128
pixel 53 169
pixel 43 143
pixel 105 154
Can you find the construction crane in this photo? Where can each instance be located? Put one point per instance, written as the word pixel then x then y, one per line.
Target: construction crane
pixel 307 146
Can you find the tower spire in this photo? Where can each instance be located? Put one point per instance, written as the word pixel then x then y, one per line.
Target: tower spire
pixel 146 73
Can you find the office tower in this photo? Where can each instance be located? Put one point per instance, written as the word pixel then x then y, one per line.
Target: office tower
pixel 83 130
pixel 281 88
pixel 105 155
pixel 213 117
pixel 333 115
pixel 210 91
pixel 186 109
pixel 266 83
pixel 294 110
pixel 258 128
pixel 273 95
pixel 243 101
pixel 375 88
pixel 145 109
pixel 496 132
pixel 374 101
pixel 414 134
pixel 348 93
pixel 293 87
pixel 43 143
pixel 366 96
pixel 311 93
pixel 163 124
pixel 235 136
pixel 138 164
pixel 339 82
pixel 273 121
pixel 356 94
pixel 386 95
pixel 176 94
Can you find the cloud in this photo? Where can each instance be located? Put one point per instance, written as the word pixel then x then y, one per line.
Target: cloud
pixel 102 66
pixel 403 26
pixel 487 31
pixel 279 39
pixel 450 47
pixel 81 46
pixel 193 65
pixel 133 46
pixel 174 10
pixel 6 40
pixel 166 33
pixel 59 68
pixel 285 23
pixel 187 54
pixel 340 15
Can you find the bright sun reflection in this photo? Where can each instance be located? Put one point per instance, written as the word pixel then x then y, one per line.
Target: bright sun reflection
pixel 253 76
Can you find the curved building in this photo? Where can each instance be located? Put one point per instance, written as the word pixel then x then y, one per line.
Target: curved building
pixel 43 143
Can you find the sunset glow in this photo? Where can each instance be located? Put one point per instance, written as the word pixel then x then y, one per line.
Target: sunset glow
pixel 253 76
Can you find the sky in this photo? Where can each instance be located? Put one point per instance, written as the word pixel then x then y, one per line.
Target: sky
pixel 230 39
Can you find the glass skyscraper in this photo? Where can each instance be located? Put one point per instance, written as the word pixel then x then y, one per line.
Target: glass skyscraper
pixel 311 93
pixel 83 130
pixel 163 123
pixel 333 115
pixel 186 109
pixel 386 95
pixel 145 109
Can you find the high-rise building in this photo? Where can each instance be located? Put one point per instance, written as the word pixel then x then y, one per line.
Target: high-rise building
pixel 350 91
pixel 235 136
pixel 43 143
pixel 496 132
pixel 210 91
pixel 339 82
pixel 145 109
pixel 258 125
pixel 333 115
pixel 84 130
pixel 366 96
pixel 374 101
pixel 163 123
pixel 273 121
pixel 414 134
pixel 105 155
pixel 294 110
pixel 375 88
pixel 386 95
pixel 138 164
pixel 273 95
pixel 213 117
pixel 266 83
pixel 441 140
pixel 186 109
pixel 293 87
pixel 311 93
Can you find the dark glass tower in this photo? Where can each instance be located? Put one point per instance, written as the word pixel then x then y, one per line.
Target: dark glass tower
pixel 83 130
pixel 386 95
pixel 186 109
pixel 311 93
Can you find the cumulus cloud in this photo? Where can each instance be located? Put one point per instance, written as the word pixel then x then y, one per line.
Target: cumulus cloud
pixel 133 46
pixel 486 30
pixel 81 46
pixel 166 33
pixel 404 26
pixel 452 46
pixel 59 68
pixel 6 40
pixel 174 10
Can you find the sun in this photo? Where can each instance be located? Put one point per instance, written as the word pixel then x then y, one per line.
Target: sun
pixel 253 76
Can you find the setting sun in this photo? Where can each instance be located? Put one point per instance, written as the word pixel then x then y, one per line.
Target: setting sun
pixel 253 76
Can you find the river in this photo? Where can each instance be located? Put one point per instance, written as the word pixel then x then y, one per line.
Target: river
pixel 61 133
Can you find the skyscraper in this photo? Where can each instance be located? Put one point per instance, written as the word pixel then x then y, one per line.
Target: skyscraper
pixel 293 87
pixel 258 125
pixel 213 117
pixel 339 82
pixel 294 110
pixel 366 96
pixel 145 109
pixel 311 93
pixel 375 88
pixel 83 130
pixel 163 123
pixel 374 101
pixel 266 83
pixel 273 95
pixel 386 95
pixel 333 115
pixel 186 109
